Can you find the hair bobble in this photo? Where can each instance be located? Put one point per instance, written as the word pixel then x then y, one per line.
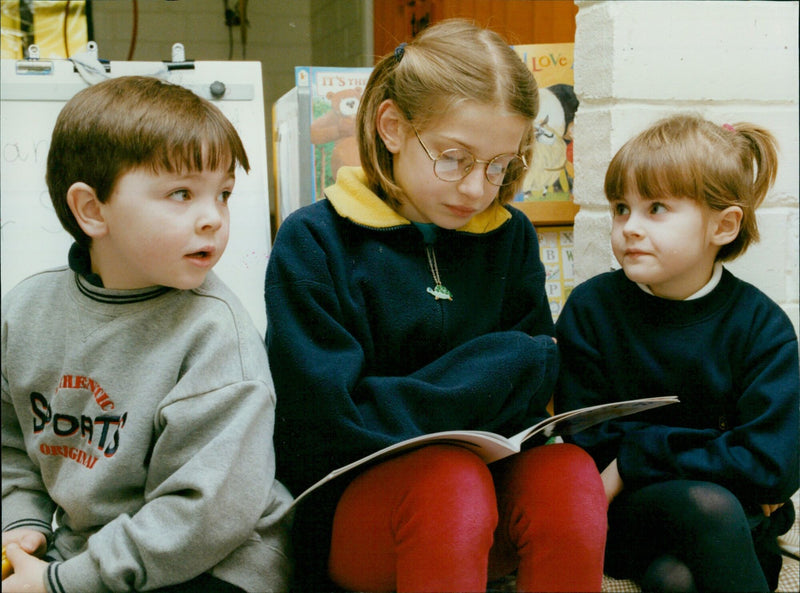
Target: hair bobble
pixel 729 127
pixel 399 51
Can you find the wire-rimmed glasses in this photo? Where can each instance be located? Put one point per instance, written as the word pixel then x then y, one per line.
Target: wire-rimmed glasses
pixel 454 164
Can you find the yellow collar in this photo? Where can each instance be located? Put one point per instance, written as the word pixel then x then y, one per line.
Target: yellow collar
pixel 353 200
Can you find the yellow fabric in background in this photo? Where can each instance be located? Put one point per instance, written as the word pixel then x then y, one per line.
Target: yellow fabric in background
pixel 10 31
pixel 46 29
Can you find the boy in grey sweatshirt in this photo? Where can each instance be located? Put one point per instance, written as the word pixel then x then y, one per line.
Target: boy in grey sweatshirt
pixel 137 402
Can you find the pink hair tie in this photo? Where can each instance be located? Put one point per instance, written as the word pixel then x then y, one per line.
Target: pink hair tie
pixel 729 127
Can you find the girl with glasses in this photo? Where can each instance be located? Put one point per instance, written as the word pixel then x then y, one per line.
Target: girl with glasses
pixel 411 300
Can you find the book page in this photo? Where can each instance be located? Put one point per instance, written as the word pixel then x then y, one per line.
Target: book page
pixel 578 420
pixel 492 447
pixel 488 446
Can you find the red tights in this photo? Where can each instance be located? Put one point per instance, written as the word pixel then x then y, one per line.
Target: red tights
pixel 439 519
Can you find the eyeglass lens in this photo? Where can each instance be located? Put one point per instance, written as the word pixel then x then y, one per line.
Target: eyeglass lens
pixel 455 164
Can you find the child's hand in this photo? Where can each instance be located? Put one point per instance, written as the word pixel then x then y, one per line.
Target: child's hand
pixel 768 509
pixel 32 541
pixel 28 573
pixel 612 481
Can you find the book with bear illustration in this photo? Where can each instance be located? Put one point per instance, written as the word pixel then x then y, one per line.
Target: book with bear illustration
pixel 330 97
pixel 313 133
pixel 493 447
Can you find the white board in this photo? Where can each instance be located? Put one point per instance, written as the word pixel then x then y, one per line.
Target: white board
pixel 31 237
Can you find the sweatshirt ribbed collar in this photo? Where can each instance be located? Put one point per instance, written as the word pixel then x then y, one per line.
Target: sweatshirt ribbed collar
pixel 91 285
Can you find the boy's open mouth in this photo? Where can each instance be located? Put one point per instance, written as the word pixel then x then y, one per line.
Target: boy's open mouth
pixel 200 255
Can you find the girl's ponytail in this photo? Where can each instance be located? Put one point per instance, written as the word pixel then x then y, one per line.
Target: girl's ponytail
pixel 759 154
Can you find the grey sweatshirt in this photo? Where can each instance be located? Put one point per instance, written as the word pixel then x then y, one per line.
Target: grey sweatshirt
pixel 144 420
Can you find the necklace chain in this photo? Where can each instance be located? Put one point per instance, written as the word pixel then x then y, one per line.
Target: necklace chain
pixel 432 263
pixel 439 291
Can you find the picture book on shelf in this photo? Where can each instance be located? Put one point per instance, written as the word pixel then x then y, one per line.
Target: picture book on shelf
pixel 492 447
pixel 314 130
pixel 551 173
pixel 334 94
pixel 313 133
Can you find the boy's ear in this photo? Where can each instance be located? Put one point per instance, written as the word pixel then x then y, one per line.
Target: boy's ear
pixel 391 126
pixel 85 206
pixel 728 223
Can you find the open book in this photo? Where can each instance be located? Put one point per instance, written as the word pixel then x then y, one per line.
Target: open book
pixel 491 447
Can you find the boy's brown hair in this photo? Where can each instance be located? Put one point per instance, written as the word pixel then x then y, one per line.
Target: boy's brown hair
pixel 128 122
pixel 686 156
pixel 449 62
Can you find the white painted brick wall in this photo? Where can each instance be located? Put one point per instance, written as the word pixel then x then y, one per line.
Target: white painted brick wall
pixel 636 62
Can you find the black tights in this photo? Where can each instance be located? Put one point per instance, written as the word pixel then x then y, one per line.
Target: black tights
pixel 683 536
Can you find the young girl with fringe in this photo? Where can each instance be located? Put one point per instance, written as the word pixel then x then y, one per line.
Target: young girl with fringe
pixel 698 491
pixel 411 300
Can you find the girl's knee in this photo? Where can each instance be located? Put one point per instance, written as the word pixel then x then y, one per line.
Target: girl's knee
pixel 448 465
pixel 430 506
pixel 452 505
pixel 437 480
pixel 454 481
pixel 669 574
pixel 556 485
pixel 713 502
pixel 566 455
pixel 560 468
pixel 696 509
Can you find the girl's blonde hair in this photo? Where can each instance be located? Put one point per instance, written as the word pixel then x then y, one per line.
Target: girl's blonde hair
pixel 449 62
pixel 686 156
